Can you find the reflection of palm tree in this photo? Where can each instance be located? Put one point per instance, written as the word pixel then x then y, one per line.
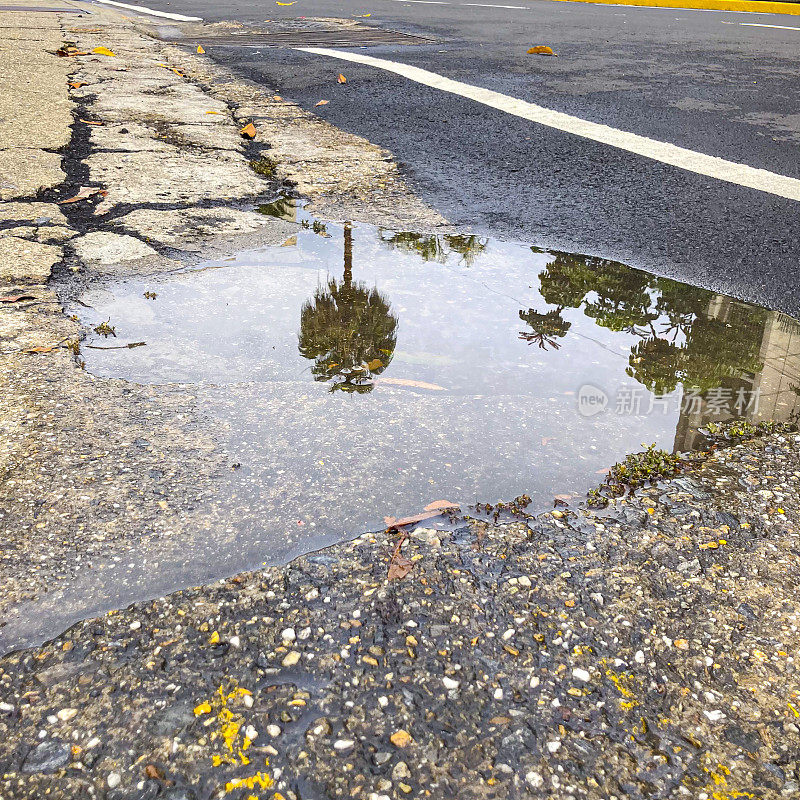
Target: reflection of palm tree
pixel 547 328
pixel 348 330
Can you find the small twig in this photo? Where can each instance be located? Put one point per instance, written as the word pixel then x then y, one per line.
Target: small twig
pixel 116 346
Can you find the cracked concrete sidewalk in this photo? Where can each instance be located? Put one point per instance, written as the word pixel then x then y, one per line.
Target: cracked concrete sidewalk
pixel 148 138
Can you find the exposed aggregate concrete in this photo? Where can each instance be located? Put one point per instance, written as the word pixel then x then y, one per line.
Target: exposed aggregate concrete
pixel 645 651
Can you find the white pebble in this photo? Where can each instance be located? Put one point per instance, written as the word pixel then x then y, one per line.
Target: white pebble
pixel 581 674
pixel 288 635
pixel 552 747
pixel 383 701
pixel 235 641
pixel 639 657
pixel 498 694
pixel 274 730
pixel 67 714
pixel 449 683
pixel 135 625
pixel 251 733
pixel 340 745
pixel 715 716
pixel 534 780
pixel 113 780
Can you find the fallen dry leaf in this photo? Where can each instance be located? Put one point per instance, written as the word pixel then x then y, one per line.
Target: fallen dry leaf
pixel 91 122
pixel 249 131
pixel 322 103
pixel 440 505
pixel 393 522
pixel 84 193
pixel 277 98
pixel 76 84
pixel 214 112
pixel 407 382
pixel 70 51
pixel 541 50
pixel 399 567
pixel 200 49
pixel 103 51
pixel 40 349
pixel 16 298
pixel 278 3
pixel 341 79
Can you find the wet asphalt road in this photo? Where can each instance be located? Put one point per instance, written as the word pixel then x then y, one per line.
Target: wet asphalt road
pixel 702 80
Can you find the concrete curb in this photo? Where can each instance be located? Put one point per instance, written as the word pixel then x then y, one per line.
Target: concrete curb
pixel 760 6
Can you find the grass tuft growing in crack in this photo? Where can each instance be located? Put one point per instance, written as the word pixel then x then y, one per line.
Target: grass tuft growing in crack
pixel 105 329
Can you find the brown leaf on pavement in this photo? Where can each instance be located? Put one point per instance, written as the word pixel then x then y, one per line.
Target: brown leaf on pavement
pixel 399 567
pixel 341 78
pixel 84 193
pixel 249 131
pixel 16 298
pixel 414 384
pixel 104 51
pixel 440 505
pixel 393 522
pixel 90 122
pixel 322 103
pixel 69 50
pixel 200 49
pixel 76 84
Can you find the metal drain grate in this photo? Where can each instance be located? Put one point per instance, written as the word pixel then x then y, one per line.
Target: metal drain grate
pixel 362 37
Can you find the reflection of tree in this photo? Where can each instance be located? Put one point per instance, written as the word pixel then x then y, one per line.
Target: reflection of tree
pixel 436 248
pixel 348 330
pixel 681 339
pixel 546 327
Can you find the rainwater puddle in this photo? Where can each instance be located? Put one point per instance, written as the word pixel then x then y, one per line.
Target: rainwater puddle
pixel 357 373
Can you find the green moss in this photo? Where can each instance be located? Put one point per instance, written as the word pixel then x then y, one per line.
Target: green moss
pixel 265 167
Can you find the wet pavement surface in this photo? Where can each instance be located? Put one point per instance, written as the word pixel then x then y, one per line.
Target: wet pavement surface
pixel 646 650
pixel 357 373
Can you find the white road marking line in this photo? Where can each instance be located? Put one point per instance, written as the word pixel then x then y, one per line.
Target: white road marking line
pixel 151 11
pixel 425 2
pixel 666 153
pixel 762 25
